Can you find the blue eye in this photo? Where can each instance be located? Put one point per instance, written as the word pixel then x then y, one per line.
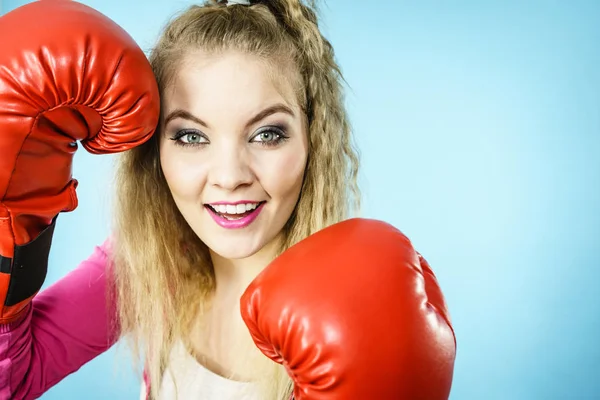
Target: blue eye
pixel 269 137
pixel 189 138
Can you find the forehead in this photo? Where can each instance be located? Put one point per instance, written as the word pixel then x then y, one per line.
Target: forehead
pixel 230 80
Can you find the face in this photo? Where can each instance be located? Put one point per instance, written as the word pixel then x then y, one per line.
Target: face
pixel 233 150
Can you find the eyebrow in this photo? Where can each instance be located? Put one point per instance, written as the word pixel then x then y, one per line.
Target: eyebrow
pixel 274 109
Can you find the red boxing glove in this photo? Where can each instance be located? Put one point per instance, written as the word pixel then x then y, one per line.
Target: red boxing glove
pixel 354 312
pixel 67 73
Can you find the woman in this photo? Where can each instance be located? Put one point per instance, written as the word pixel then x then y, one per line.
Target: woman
pixel 252 154
pixel 234 130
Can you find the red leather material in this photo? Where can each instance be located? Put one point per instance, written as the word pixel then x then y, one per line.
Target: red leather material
pixel 354 312
pixel 67 74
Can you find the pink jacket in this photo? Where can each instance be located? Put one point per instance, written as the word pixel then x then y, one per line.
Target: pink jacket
pixel 65 326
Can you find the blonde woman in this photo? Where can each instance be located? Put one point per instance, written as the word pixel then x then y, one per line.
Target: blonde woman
pixel 235 270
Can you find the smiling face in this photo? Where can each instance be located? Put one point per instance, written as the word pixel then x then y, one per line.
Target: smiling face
pixel 233 149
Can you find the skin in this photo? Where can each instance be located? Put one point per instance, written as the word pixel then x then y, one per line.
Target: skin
pixel 228 154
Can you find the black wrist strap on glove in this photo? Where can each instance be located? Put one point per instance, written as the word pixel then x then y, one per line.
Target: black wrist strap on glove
pixel 28 268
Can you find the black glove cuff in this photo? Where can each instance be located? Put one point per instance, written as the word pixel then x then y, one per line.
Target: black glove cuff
pixel 29 267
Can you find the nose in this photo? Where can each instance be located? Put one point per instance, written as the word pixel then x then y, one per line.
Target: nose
pixel 230 168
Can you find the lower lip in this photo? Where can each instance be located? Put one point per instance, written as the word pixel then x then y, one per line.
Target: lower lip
pixel 236 223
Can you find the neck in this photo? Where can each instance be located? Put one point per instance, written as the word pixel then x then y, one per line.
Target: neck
pixel 220 339
pixel 233 276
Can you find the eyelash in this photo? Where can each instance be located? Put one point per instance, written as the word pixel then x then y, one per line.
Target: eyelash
pixel 184 132
pixel 276 130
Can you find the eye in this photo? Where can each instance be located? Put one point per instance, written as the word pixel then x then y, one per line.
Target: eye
pixel 270 136
pixel 189 138
pixel 267 136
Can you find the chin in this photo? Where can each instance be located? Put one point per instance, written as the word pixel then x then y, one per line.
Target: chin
pixel 234 250
pixel 237 244
pixel 234 254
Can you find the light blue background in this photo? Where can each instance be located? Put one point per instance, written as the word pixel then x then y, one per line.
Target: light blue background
pixel 479 125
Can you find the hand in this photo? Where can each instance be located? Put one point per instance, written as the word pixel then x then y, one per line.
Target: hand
pixel 354 312
pixel 67 74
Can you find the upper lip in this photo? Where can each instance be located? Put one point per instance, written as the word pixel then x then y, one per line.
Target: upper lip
pixel 233 203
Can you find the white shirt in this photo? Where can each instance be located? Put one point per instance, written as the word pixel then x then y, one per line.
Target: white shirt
pixel 195 382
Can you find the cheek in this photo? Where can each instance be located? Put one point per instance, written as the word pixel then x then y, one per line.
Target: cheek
pixel 183 173
pixel 282 176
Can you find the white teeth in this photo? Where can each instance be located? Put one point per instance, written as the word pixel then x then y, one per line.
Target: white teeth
pixel 234 209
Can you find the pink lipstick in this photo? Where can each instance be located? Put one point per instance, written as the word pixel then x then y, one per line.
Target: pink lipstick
pixel 234 223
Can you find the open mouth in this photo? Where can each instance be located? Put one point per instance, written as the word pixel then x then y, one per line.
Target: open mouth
pixel 234 212
pixel 236 216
